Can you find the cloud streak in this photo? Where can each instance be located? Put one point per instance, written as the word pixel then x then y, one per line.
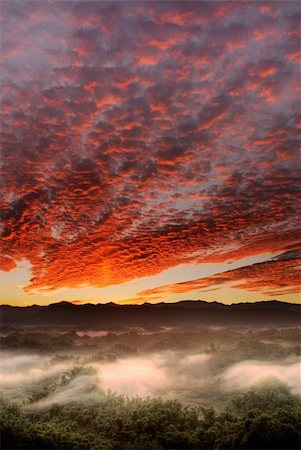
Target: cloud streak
pixel 275 277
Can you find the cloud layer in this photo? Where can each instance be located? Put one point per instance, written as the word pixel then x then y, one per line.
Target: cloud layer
pixel 139 136
pixel 278 276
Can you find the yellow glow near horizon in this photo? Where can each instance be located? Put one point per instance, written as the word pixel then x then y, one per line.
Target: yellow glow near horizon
pixel 12 284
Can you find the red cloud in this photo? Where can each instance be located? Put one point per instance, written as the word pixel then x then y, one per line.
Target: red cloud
pixel 124 157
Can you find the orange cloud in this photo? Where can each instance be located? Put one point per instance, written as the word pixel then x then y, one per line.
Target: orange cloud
pixel 125 157
pixel 275 277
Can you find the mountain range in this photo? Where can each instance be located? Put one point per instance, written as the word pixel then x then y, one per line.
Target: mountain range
pixel 185 313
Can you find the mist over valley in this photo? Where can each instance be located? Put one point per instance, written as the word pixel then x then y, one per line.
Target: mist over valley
pixel 120 370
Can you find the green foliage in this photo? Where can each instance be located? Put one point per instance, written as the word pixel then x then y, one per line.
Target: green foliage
pixel 266 396
pixel 19 432
pixel 267 416
pixel 40 393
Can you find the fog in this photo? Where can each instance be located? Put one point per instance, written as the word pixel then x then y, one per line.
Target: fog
pixel 83 388
pixel 247 373
pixel 21 369
pixel 159 374
pixel 92 333
pixel 169 374
pixel 134 376
pixel 195 366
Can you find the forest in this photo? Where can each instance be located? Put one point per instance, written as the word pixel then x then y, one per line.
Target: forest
pixel 176 388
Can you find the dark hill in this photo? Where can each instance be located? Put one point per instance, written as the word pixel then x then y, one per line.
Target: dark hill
pixel 186 313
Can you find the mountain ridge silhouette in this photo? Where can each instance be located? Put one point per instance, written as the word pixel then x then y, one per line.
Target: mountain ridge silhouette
pixel 187 312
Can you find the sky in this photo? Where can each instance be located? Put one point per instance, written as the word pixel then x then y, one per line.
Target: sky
pixel 150 151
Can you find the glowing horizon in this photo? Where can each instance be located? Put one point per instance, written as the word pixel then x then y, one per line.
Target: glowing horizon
pixel 139 291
